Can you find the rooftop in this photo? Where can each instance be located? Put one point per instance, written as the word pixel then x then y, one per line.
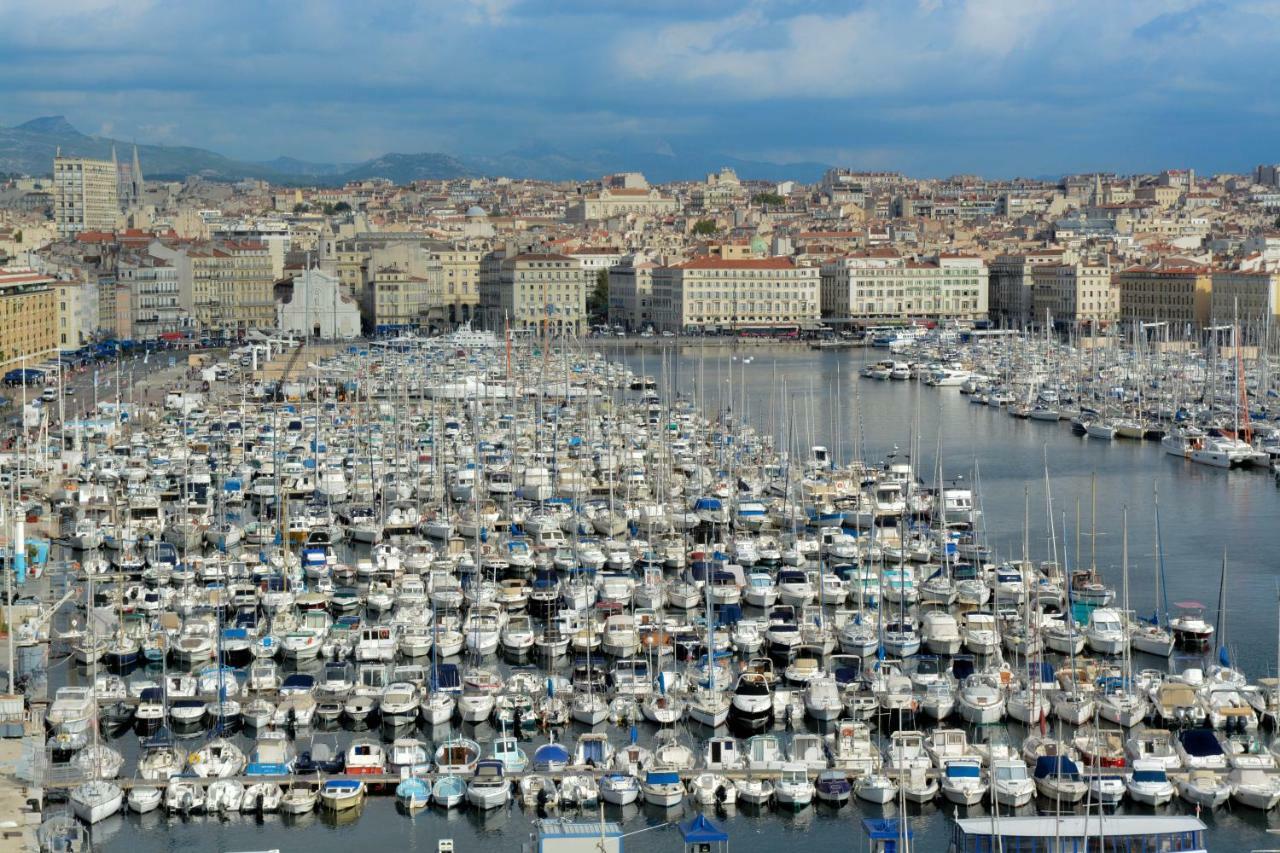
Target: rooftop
pixel 710 263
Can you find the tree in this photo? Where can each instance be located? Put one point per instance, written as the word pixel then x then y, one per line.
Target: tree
pixel 342 207
pixel 598 299
pixel 300 208
pixel 328 209
pixel 704 228
pixel 768 198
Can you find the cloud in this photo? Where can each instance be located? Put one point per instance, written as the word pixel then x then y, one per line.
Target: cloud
pixel 487 11
pixel 933 86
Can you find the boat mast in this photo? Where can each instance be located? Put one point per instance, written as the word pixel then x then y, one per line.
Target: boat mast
pixel 1161 605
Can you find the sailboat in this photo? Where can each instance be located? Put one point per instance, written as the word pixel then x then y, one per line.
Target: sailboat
pixel 1119 702
pixel 708 705
pixel 97 799
pixel 1150 636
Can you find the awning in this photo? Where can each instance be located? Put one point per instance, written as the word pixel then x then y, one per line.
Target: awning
pixel 700 830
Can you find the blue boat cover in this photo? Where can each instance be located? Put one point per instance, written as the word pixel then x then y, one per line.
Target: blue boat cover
pixel 550 754
pixel 958 770
pixel 1055 765
pixel 1200 742
pixel 1042 672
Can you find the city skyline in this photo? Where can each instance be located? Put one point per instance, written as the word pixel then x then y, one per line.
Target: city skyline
pixel 929 88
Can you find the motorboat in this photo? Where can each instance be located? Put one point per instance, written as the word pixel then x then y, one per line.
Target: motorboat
pixel 963 782
pixel 1105 632
pixel 489 788
pixel 224 796
pixel 1204 789
pixel 1254 787
pixel 793 788
pixel 1149 783
pixel 143 799
pixel 662 787
pixel 460 756
pixel 1011 784
pixel 299 799
pixel 940 633
pixel 875 788
pixel 341 794
pixel 365 757
pixel 1200 749
pixel 1058 778
pixel 1190 630
pixel 262 798
pixel 711 789
pixel 619 789
pixel 183 797
pixel 833 787
pixel 752 703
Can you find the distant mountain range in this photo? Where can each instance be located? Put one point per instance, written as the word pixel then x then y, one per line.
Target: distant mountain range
pixel 29 148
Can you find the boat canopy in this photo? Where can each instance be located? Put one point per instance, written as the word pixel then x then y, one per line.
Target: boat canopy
pixel 1200 742
pixel 963 770
pixel 1055 765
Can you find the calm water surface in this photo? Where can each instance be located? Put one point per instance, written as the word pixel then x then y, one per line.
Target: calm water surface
pixel 1203 512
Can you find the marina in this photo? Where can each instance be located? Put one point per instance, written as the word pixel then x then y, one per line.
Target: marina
pixel 453 586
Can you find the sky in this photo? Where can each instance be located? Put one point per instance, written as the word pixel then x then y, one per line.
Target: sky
pixel 929 87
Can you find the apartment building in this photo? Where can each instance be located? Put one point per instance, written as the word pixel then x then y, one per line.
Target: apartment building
pixel 28 317
pixel 715 293
pixel 86 195
pixel 460 288
pixel 535 291
pixel 151 308
pixel 631 293
pixel 1079 292
pixel 351 265
pixel 227 287
pixel 398 301
pixel 1166 290
pixel 78 312
pixel 889 285
pixel 1009 285
pixel 1249 296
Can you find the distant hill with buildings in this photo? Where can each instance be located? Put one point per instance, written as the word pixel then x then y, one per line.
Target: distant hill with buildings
pixel 29 148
